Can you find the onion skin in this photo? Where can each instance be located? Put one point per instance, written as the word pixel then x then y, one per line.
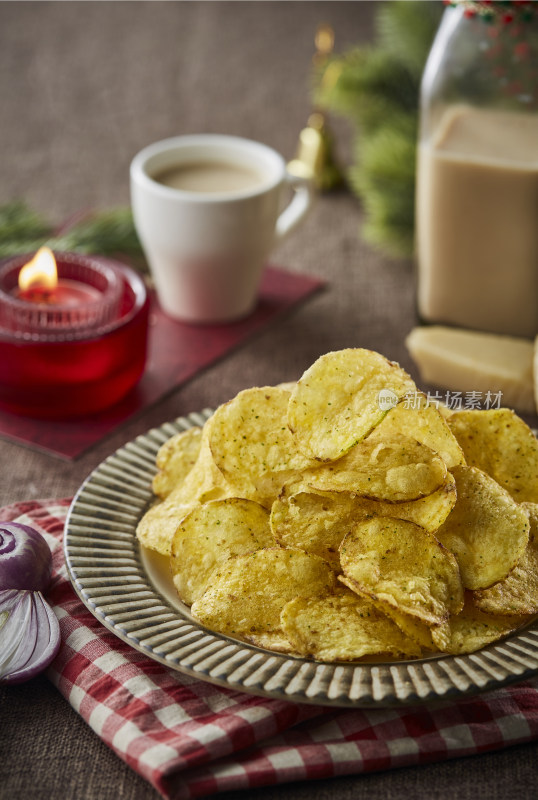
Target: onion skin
pixel 25 558
pixel 29 635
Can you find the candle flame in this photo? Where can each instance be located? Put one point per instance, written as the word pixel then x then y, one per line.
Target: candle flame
pixel 40 271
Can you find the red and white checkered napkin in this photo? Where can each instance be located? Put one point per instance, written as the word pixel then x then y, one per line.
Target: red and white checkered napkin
pixel 192 739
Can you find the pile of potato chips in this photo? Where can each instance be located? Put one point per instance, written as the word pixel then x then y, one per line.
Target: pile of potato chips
pixel 345 516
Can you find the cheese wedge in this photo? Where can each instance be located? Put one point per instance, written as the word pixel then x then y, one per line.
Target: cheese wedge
pixel 469 361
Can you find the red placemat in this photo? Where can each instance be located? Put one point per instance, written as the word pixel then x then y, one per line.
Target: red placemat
pixel 190 739
pixel 177 352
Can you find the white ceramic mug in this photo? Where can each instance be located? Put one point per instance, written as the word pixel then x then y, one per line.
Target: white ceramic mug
pixel 206 250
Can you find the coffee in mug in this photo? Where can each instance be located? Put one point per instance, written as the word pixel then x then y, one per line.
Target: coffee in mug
pixel 207 212
pixel 210 176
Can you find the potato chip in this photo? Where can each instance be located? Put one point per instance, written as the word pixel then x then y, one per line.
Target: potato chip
pixel 498 442
pixel 175 459
pixel 341 398
pixel 412 627
pixel 445 411
pixel 396 469
pixel 343 627
pixel 518 592
pixel 404 566
pixel 205 481
pixel 252 445
pixel 157 527
pixel 316 522
pixel 210 534
pixel 418 417
pixel 376 522
pixel 486 530
pixel 247 594
pixel 313 522
pixel 472 629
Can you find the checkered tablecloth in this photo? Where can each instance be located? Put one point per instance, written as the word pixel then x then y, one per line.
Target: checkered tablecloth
pixel 192 739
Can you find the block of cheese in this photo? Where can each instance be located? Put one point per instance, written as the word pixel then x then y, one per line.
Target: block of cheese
pixel 469 361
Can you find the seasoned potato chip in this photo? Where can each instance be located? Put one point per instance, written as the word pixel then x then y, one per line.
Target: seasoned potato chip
pixel 518 592
pixel 343 627
pixel 210 534
pixel 404 566
pixel 205 481
pixel 412 627
pixel 472 629
pixel 341 398
pixel 498 442
pixel 157 527
pixel 416 416
pixel 175 459
pixel 252 444
pixel 445 411
pixel 313 522
pixel 486 530
pixel 397 469
pixel 383 509
pixel 248 592
pixel 202 482
pixel 316 522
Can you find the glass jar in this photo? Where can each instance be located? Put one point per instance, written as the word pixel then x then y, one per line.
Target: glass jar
pixel 477 179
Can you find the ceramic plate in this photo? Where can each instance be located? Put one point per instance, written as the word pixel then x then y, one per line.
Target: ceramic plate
pixel 130 592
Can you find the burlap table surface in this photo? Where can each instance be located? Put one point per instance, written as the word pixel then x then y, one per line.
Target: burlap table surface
pixel 84 86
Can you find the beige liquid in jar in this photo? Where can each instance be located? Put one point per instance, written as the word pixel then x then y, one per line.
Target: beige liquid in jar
pixel 477 222
pixel 210 177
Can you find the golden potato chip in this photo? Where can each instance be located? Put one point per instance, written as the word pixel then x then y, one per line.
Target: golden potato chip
pixel 518 592
pixel 401 564
pixel 157 526
pixel 498 442
pixel 341 398
pixel 472 629
pixel 210 534
pixel 247 594
pixel 316 522
pixel 416 416
pixel 175 459
pixel 205 481
pixel 445 411
pixel 397 469
pixel 486 530
pixel 313 522
pixel 412 627
pixel 202 482
pixel 343 627
pixel 252 445
pixel 365 479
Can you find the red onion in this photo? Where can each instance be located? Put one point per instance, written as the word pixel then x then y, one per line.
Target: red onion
pixel 25 558
pixel 29 630
pixel 29 635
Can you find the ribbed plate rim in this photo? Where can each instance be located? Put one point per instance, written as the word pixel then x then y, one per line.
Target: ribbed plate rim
pixel 122 484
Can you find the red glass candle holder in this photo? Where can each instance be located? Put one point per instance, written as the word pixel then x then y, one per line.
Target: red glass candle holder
pixel 62 362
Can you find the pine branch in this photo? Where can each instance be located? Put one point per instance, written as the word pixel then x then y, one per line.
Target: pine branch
pixel 407 29
pixel 109 233
pixel 19 225
pixel 377 89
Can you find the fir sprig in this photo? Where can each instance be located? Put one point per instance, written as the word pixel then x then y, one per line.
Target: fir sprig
pixel 377 89
pixel 109 233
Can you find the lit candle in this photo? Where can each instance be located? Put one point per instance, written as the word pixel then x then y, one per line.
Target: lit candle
pixel 73 335
pixel 47 294
pixel 39 283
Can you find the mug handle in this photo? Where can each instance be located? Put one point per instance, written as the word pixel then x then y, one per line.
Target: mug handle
pixel 296 211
